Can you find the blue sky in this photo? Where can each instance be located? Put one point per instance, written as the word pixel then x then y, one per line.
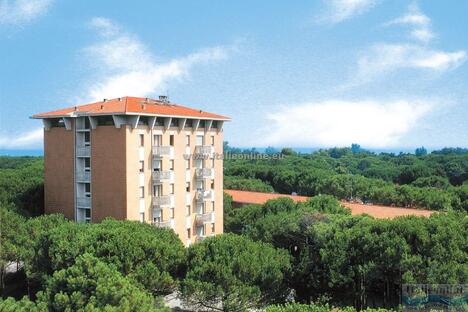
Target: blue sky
pixel 385 74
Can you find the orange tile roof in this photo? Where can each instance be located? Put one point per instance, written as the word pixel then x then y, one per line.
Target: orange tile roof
pixel 380 212
pixel 132 105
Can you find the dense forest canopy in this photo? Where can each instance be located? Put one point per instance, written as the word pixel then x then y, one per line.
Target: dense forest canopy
pixel 315 252
pixel 438 180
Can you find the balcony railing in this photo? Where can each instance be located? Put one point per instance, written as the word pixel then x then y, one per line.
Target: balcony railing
pixel 163 201
pixel 163 150
pixel 165 224
pixel 163 175
pixel 204 173
pixel 203 218
pixel 83 176
pixel 203 237
pixel 83 202
pixel 204 150
pixel 83 151
pixel 203 195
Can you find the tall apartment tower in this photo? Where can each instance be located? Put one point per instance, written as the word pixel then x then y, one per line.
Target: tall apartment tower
pixel 136 159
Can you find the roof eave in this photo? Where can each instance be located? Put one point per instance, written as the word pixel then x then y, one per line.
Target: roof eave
pixel 72 115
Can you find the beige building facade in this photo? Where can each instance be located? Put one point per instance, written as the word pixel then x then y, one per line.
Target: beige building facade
pixel 136 159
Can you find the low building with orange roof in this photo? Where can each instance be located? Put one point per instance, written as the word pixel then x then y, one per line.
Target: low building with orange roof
pixel 241 198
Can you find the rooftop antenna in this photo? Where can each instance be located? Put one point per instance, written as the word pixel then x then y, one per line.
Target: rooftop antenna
pixel 164 99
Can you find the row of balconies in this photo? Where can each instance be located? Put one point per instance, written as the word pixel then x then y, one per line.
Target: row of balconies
pixel 200 219
pixel 157 201
pixel 168 200
pixel 158 176
pixel 158 151
pixel 167 150
pixel 168 175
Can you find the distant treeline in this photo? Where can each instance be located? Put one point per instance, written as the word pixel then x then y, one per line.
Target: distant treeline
pixel 435 181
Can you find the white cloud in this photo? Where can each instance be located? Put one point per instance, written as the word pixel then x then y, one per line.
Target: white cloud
pixel 384 58
pixel 127 67
pixel 17 12
pixel 340 10
pixel 340 123
pixel 30 139
pixel 420 24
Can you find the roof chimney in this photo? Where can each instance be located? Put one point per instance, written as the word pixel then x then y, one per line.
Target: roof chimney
pixel 104 100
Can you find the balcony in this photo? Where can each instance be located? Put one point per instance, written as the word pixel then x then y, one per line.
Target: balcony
pixel 163 150
pixel 203 195
pixel 83 176
pixel 163 175
pixel 83 151
pixel 203 218
pixel 204 151
pixel 163 201
pixel 204 173
pixel 83 202
pixel 169 224
pixel 203 237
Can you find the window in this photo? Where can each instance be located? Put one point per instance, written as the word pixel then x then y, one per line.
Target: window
pixel 87 164
pixel 87 138
pixel 143 121
pixel 105 121
pixel 87 189
pixel 212 206
pixel 142 217
pixel 187 210
pixel 142 140
pixel 87 215
pixel 187 140
pixel 156 165
pixel 142 166
pixel 86 122
pixel 171 164
pixel 212 184
pixel 187 164
pixel 172 213
pixel 212 227
pixel 142 192
pixel 157 140
pixel 188 233
pixel 200 230
pixel 212 140
pixel 199 140
pixel 172 189
pixel 171 140
pixel 157 190
pixel 174 122
pixel 187 186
